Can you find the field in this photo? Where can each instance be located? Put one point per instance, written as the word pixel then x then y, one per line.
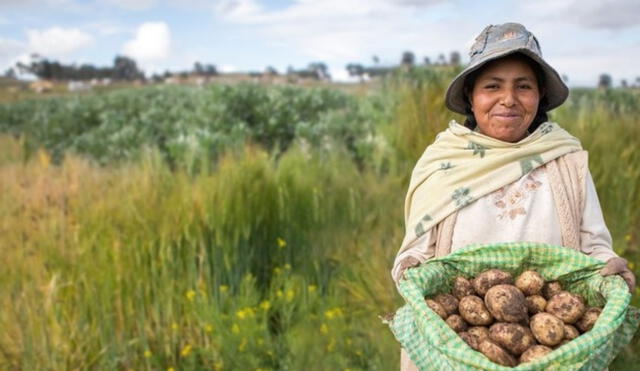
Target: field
pixel 240 227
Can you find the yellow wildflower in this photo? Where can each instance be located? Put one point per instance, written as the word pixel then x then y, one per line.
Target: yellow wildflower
pixel 171 369
pixel 627 237
pixel 324 329
pixel 281 243
pixel 290 295
pixel 277 270
pixel 174 326
pixel 147 353
pixel 265 305
pixel 279 293
pixel 287 267
pixel 333 313
pixel 223 288
pixel 632 265
pixel 186 350
pixel 312 288
pixel 190 295
pixel 241 314
pixel 235 328
pixel 208 328
pixel 260 341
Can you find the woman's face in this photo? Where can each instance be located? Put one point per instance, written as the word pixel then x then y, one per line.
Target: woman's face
pixel 505 99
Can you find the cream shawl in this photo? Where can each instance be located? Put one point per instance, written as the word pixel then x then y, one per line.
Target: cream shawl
pixel 462 166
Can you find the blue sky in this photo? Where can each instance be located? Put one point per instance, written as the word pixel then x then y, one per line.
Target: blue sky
pixel 580 38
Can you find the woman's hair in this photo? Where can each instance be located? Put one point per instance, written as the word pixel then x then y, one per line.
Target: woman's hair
pixel 541 114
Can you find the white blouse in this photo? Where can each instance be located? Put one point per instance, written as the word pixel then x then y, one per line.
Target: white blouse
pixel 521 211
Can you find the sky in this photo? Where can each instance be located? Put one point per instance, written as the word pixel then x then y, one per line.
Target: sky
pixel 580 38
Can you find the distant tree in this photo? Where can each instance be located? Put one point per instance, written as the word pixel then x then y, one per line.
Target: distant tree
pixel 408 59
pixel 604 81
pixel 125 68
pixel 270 70
pixel 376 60
pixel 441 60
pixel 321 70
pixel 454 58
pixel 157 78
pixel 624 84
pixel 198 69
pixel 427 61
pixel 355 70
pixel 10 73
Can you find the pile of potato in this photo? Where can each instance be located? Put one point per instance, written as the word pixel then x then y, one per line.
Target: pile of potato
pixel 513 322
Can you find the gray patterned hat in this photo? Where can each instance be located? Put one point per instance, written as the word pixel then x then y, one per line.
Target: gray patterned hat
pixel 498 41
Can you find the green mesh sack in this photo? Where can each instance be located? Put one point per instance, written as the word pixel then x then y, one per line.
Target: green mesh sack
pixel 432 345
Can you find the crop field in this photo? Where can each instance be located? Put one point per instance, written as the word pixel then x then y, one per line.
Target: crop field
pixel 243 227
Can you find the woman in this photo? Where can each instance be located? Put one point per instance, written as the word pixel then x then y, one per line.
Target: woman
pixel 508 174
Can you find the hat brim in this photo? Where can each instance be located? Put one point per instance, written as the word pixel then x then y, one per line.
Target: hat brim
pixel 556 91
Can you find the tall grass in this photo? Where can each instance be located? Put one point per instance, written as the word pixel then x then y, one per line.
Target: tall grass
pixel 260 256
pixel 139 266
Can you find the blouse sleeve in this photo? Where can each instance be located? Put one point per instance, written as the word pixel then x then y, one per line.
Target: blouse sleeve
pixel 595 239
pixel 423 249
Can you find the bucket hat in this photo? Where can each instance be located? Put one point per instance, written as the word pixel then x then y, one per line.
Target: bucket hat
pixel 497 41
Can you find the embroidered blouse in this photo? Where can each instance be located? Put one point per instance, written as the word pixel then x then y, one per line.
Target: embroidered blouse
pixel 521 211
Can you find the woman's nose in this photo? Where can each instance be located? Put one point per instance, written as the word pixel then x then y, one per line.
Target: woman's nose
pixel 508 98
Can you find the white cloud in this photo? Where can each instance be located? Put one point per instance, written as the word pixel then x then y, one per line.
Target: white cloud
pixel 136 5
pixel 593 14
pixel 11 51
pixel 57 41
pixel 152 43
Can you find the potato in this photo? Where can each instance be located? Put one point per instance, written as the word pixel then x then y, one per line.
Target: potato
pixel 506 303
pixel 547 328
pixel 535 352
pixel 480 332
pixel 530 283
pixel 487 279
pixel 512 336
pixel 588 319
pixel 473 310
pixel 456 323
pixel 551 288
pixel 448 302
pixel 462 287
pixel 570 332
pixel 565 306
pixel 535 304
pixel 436 307
pixel 496 353
pixel 471 340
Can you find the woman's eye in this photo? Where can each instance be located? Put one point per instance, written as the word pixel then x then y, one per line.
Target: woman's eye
pixel 525 86
pixel 491 86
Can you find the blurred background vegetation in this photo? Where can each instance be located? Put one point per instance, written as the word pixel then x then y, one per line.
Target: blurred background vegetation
pixel 238 227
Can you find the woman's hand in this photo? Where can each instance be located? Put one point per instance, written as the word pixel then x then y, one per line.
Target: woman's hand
pixel 406 263
pixel 619 266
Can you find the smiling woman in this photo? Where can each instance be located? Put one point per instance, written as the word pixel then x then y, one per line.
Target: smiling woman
pixel 510 174
pixel 505 98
